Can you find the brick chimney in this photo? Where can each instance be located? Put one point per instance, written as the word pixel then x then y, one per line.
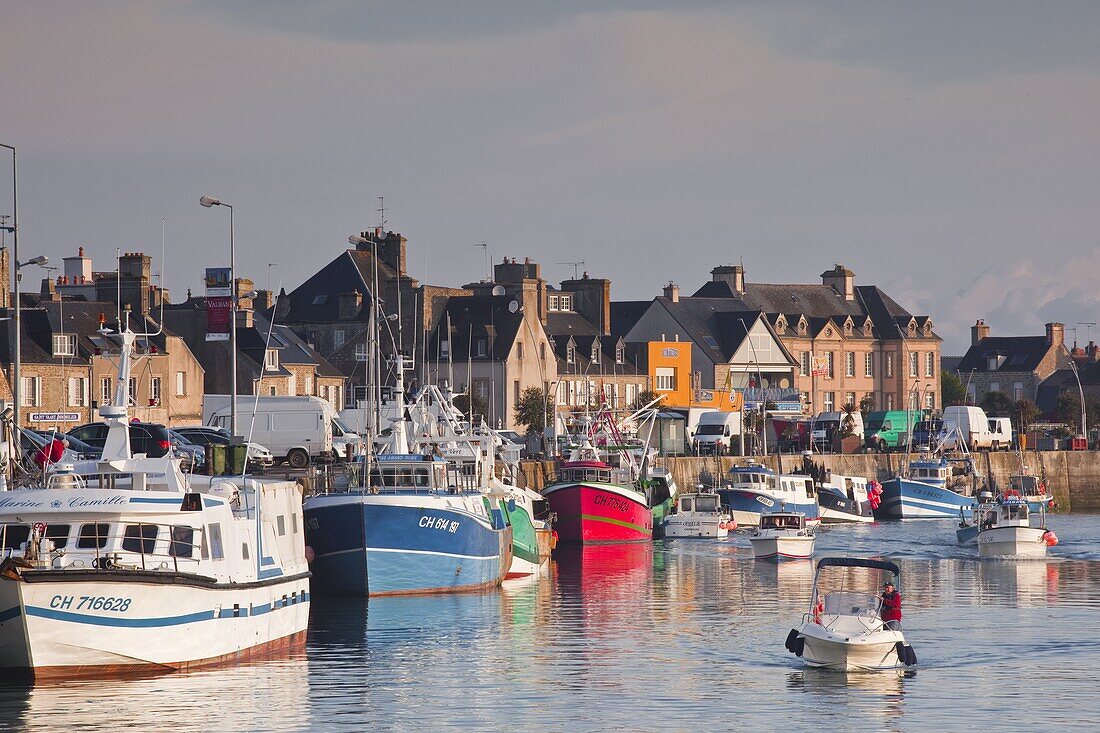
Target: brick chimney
pixel 1056 334
pixel 978 331
pixel 732 274
pixel 842 280
pixel 350 303
pixel 592 299
pixel 1092 352
pixel 672 292
pixel 390 246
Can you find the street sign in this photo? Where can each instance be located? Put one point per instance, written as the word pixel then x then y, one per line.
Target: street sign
pixel 55 417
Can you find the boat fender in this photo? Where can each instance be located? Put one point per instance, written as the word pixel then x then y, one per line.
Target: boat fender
pixel 1050 538
pixel 791 639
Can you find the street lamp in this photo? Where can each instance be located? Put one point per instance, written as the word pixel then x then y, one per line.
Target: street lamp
pixel 763 394
pixel 1080 391
pixel 207 202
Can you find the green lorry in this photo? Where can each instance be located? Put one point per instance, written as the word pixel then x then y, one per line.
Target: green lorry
pixel 886 430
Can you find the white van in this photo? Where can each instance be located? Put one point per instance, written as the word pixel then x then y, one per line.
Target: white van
pixel 295 429
pixel 973 424
pixel 715 432
pixel 1000 430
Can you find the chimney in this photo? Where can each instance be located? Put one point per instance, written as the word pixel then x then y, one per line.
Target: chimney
pixel 1056 334
pixel 592 299
pixel 734 275
pixel 978 331
pixel 390 247
pixel 842 280
pixel 672 292
pixel 1092 353
pixel 350 303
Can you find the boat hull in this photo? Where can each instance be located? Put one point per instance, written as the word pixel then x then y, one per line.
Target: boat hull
pixel 599 513
pixel 382 545
pixel 700 527
pixel 746 506
pixel 870 652
pixel 526 557
pixel 836 508
pixel 118 622
pixel 906 499
pixel 780 548
pixel 1012 542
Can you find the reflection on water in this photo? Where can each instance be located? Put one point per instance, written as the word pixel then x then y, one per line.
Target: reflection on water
pixel 677 635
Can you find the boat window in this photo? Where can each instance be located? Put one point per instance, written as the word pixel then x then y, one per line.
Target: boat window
pixel 685 504
pixel 139 538
pixel 421 477
pixel 182 544
pixel 848 603
pixel 661 493
pixel 92 535
pixel 809 483
pixel 58 534
pixel 293 524
pixel 706 504
pixel 214 531
pixel 244 550
pixel 280 523
pixel 15 535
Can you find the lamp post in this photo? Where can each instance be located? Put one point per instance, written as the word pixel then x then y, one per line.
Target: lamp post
pixel 16 387
pixel 208 201
pixel 763 394
pixel 1081 392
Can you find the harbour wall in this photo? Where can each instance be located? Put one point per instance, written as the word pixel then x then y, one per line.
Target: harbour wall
pixel 1074 476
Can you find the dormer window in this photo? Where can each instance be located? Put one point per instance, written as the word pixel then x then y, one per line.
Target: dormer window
pixel 619 353
pixel 570 354
pixel 781 324
pixel 595 351
pixel 482 346
pixel 848 327
pixel 271 360
pixel 566 302
pixel 64 344
pixel 802 328
pixel 551 302
pixel 912 329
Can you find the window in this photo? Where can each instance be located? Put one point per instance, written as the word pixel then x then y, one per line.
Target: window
pixel 183 541
pixel 519 349
pixel 154 390
pixel 566 302
pixel 444 349
pixel 889 366
pixel 361 351
pixel 78 392
pixel 631 394
pixel 914 363
pixel 271 360
pixel 482 347
pixel 849 363
pixel 994 386
pixel 244 550
pixel 552 302
pixel 850 398
pixel 828 404
pixel 58 534
pixel 280 524
pixel 215 533
pixel 563 393
pixel 542 351
pixel 595 351
pixel 515 392
pixel 608 395
pixel 930 364
pixel 320 299
pixel 481 388
pixel 570 354
pixel 105 391
pixel 890 401
pixel 666 379
pixel 64 344
pixel 294 523
pixel 32 392
pixel 14 535
pixel 869 364
pixel 140 538
pixel 337 338
pixel 804 363
pixel 131 391
pixel 181 384
pixel 1018 391
pixel 619 354
pixel 914 400
pixel 829 370
pixel 92 535
pixel 930 401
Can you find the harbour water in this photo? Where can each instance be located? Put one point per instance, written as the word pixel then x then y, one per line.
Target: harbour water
pixel 677 635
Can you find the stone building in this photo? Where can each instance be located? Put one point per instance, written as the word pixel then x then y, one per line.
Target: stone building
pixel 1012 365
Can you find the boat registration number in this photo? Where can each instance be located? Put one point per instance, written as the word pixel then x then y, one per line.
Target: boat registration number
pixel 91 603
pixel 441 523
pixel 765 501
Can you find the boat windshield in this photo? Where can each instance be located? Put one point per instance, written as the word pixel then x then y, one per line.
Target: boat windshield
pixel 850 603
pixel 706 503
pixel 780 521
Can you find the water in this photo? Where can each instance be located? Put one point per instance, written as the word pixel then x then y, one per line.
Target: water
pixel 678 636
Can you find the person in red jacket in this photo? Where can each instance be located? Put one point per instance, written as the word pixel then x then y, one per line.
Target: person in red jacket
pixel 51 453
pixel 891 606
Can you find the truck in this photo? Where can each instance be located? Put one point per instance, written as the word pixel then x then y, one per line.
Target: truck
pixel 296 429
pixel 974 426
pixel 716 432
pixel 886 430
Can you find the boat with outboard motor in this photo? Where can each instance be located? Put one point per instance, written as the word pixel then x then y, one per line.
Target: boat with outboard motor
pixel 844 629
pixel 698 515
pixel 753 490
pixel 126 564
pixel 783 535
pixel 1004 529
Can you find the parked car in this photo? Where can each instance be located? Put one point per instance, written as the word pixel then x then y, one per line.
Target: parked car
pixel 926 433
pixel 205 435
pixel 151 439
pixel 193 455
pixel 30 442
pixel 87 452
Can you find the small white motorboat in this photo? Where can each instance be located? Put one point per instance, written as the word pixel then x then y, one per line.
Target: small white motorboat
pixel 844 629
pixel 699 515
pixel 1005 531
pixel 782 535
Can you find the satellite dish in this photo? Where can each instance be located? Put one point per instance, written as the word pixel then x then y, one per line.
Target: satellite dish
pixel 498 290
pixel 513 306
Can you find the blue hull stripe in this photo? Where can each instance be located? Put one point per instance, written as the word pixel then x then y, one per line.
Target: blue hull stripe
pixel 748 501
pixel 82 618
pixel 899 495
pixel 144 500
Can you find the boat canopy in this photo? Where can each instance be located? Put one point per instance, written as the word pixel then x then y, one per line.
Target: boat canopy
pixel 857 562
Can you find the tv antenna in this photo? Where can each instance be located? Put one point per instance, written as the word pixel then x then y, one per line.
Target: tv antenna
pixel 382 211
pixel 1088 326
pixel 574 265
pixel 488 270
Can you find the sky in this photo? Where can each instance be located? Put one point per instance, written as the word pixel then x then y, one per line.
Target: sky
pixel 948 152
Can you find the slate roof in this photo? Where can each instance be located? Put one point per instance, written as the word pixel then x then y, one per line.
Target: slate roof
pixel 715 324
pixel 317 300
pixel 478 316
pixel 1022 354
pixel 583 364
pixel 626 313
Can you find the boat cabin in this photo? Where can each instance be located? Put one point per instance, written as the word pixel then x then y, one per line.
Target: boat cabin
pixel 1007 514
pixel 1028 486
pixel 757 478
pixel 699 503
pixel 934 473
pixel 592 472
pixel 782 520
pixel 401 472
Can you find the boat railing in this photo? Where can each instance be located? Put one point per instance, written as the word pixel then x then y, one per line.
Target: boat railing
pixel 118 547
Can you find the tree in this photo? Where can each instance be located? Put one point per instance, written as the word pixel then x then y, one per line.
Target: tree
pixel 533 408
pixel 954 393
pixel 1068 410
pixel 1024 414
pixel 867 404
pixel 471 407
pixel 998 403
pixel 644 398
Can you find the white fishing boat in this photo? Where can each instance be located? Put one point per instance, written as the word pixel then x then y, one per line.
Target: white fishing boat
pixel 783 535
pixel 698 515
pixel 127 564
pixel 844 629
pixel 1005 531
